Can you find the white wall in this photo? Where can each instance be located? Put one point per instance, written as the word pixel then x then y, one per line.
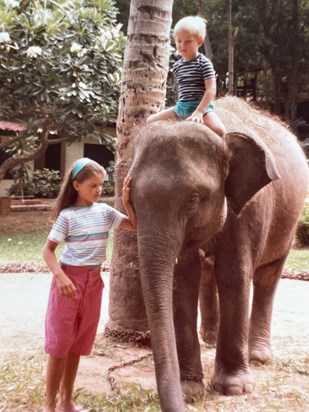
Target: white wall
pixel 72 152
pixel 5 184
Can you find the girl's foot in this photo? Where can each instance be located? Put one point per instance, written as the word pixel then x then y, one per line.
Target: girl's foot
pixel 70 408
pixel 49 408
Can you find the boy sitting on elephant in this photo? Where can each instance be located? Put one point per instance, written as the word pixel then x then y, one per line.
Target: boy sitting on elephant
pixel 196 78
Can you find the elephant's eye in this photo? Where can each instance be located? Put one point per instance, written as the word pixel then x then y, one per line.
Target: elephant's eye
pixel 193 202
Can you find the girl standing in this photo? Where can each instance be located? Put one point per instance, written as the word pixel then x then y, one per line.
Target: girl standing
pixel 74 305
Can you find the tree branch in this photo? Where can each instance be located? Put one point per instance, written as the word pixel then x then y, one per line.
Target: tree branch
pixel 9 141
pixel 13 161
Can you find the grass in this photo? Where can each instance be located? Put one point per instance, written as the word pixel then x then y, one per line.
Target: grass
pixel 22 381
pixel 298 259
pixel 22 387
pixel 27 248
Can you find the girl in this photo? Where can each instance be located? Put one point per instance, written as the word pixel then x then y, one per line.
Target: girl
pixel 76 291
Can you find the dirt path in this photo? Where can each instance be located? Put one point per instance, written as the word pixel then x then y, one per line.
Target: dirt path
pixel 22 311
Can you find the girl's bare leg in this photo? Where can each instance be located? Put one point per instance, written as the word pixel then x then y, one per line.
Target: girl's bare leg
pixel 167 114
pixel 67 382
pixel 54 373
pixel 213 121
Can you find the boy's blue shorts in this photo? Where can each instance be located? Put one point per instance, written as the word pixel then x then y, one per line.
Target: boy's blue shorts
pixel 185 109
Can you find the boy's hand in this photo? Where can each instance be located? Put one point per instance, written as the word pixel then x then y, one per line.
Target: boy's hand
pixel 197 117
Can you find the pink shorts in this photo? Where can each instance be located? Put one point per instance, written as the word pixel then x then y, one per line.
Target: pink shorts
pixel 71 324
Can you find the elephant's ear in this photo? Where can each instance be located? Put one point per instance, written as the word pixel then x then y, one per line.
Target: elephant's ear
pixel 251 167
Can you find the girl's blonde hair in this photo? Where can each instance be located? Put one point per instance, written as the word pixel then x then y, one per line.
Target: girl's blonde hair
pixel 67 195
pixel 194 25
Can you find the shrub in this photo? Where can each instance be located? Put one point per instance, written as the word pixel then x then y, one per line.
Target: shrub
pixel 43 183
pixel 302 232
pixel 109 185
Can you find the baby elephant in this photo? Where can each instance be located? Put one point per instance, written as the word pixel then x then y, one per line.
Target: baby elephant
pixel 234 201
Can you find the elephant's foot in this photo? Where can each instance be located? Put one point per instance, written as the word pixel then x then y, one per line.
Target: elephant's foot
pixel 233 384
pixel 193 391
pixel 208 336
pixel 260 354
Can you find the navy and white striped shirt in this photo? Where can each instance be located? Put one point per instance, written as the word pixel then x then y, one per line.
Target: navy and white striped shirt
pixel 84 229
pixel 191 76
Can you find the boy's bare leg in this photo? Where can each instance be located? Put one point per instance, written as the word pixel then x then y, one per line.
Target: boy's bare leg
pixel 54 373
pixel 167 114
pixel 213 121
pixel 67 382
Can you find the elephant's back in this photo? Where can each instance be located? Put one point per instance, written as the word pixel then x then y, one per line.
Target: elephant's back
pixel 239 116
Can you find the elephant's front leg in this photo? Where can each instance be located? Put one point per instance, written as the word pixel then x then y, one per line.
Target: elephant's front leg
pixel 232 375
pixel 185 303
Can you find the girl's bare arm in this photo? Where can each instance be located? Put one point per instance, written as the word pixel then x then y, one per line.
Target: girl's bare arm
pixel 65 285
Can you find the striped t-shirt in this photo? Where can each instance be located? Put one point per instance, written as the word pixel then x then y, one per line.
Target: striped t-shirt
pixel 84 229
pixel 191 76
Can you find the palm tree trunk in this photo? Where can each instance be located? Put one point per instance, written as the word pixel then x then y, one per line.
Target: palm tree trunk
pixel 142 93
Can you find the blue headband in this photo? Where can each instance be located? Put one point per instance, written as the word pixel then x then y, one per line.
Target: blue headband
pixel 79 165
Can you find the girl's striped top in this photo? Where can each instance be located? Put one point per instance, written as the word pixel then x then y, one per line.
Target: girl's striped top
pixel 84 229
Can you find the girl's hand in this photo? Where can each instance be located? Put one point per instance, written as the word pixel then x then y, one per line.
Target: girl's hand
pixel 65 285
pixel 126 190
pixel 129 222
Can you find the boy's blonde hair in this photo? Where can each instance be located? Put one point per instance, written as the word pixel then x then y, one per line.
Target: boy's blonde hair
pixel 194 25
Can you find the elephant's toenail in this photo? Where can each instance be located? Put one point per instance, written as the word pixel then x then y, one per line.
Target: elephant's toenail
pixel 249 388
pixel 234 390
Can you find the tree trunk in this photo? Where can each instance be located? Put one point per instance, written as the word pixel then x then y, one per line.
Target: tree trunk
pixel 142 93
pixel 207 44
pixel 40 149
pixel 277 91
pixel 231 45
pixel 294 74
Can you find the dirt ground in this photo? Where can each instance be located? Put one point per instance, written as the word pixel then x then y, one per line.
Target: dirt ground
pixel 284 384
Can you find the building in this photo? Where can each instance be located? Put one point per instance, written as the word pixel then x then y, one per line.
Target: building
pixel 58 156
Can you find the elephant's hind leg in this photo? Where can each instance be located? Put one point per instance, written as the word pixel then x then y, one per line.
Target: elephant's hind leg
pixel 208 301
pixel 265 283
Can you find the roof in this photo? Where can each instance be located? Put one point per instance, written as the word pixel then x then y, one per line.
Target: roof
pixel 12 126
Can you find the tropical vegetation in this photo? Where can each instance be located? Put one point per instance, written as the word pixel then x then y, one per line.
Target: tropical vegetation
pixel 60 71
pixel 271 47
pixel 61 65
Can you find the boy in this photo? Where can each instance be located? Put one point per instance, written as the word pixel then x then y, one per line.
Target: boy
pixel 196 78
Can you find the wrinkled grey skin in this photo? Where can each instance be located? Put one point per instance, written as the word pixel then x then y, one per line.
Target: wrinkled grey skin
pixel 234 200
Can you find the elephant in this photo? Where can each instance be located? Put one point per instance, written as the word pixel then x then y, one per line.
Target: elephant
pixel 232 203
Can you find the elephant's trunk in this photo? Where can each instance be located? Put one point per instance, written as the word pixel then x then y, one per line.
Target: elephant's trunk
pixel 157 255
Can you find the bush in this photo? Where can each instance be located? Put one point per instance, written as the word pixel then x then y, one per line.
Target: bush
pixel 43 183
pixel 109 185
pixel 302 232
